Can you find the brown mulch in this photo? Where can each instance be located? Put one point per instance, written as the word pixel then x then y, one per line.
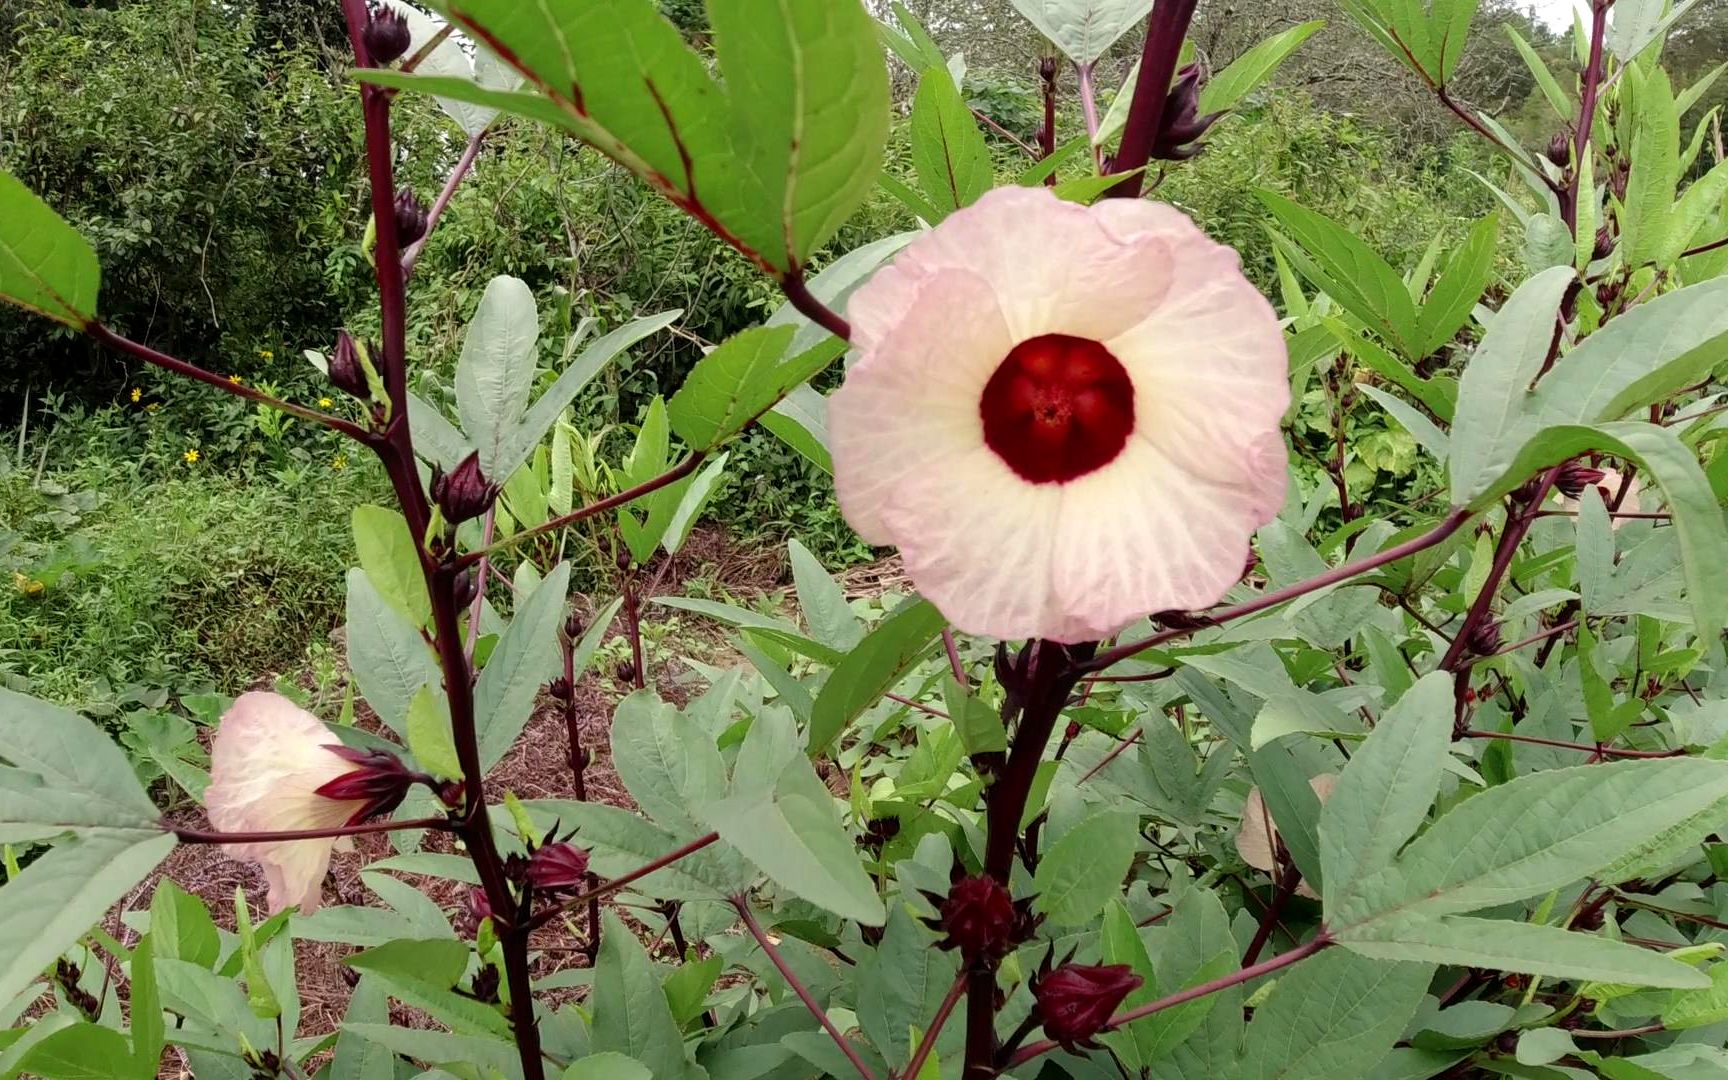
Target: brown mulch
pixel 536 768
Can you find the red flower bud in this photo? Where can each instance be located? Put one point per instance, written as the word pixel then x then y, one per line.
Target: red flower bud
pixel 572 626
pixel 411 218
pixel 559 688
pixel 979 918
pixel 464 493
pixel 626 671
pixel 380 782
pixel 1075 1001
pixel 1573 478
pixel 1485 638
pixel 386 35
pixel 466 587
pixel 558 866
pixel 346 372
pixel 1560 149
pixel 1182 125
pixel 1604 243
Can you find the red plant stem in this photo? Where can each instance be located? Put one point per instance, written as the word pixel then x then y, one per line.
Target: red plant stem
pixel 104 336
pixel 578 760
pixel 1517 524
pixel 928 1042
pixel 412 255
pixel 798 987
pixel 1702 248
pixel 1116 751
pixel 1264 967
pixel 1150 676
pixel 1593 72
pixel 380 154
pixel 1047 132
pixel 1553 631
pixel 610 887
pixel 1606 751
pixel 1166 28
pixel 1445 528
pixel 366 828
pixel 929 710
pixel 1089 107
pixel 647 487
pixel 984 118
pixel 1623 1033
pixel 813 309
pixel 955 664
pixel 1282 892
pixel 427 49
pixel 633 625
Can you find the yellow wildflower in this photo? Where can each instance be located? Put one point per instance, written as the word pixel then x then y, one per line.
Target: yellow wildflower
pixel 153 406
pixel 192 456
pixel 266 354
pixel 340 461
pixel 136 395
pixel 325 403
pixel 235 379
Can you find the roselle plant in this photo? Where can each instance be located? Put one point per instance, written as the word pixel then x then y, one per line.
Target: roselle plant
pixel 1173 767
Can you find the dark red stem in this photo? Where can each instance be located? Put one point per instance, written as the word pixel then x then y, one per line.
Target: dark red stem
pixel 1606 751
pixel 743 907
pixel 1166 29
pixel 928 1042
pixel 813 309
pixel 1593 72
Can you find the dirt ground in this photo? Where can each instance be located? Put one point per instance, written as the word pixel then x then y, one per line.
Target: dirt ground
pixel 534 769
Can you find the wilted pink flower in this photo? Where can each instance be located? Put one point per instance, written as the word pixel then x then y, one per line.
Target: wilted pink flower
pixel 269 762
pixel 1064 417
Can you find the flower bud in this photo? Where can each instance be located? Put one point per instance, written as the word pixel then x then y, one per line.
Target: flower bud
pixel 346 372
pixel 1075 1001
pixel 467 587
pixel 1485 637
pixel 386 35
pixel 558 866
pixel 379 782
pixel 559 688
pixel 484 985
pixel 979 918
pixel 476 909
pixel 1182 125
pixel 1604 244
pixel 1618 178
pixel 411 218
pixel 1573 478
pixel 626 671
pixel 1560 149
pixel 465 493
pixel 573 626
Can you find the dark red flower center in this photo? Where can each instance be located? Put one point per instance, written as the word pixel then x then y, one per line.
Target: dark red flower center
pixel 1057 408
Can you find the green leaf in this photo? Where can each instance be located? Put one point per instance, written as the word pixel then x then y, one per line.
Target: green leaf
pixel 1245 73
pixel 900 983
pixel 438 961
pixel 389 658
pixel 1536 834
pixel 782 818
pixel 63 893
pixel 869 670
pixel 1505 945
pixel 1083 29
pixel 608 1066
pixel 1439 394
pixel 667 762
pixel 1558 98
pixel 442 1047
pixel 358 1058
pixel 1486 424
pixel 822 601
pixel 1086 867
pixel 620 841
pixel 64 775
pixel 391 558
pixel 1332 1016
pixel 181 927
pixel 149 1032
pixel 1655 169
pixel 739 381
pixel 45 265
pixel 1350 272
pixel 495 372
pixel 83 1051
pixel 1460 286
pixel 429 737
pixel 631 1016
pixel 1696 1008
pixel 1383 795
pixel 524 658
pixel 1193 947
pixel 948 150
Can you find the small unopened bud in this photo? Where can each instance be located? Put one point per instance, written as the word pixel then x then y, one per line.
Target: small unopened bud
pixel 979 918
pixel 1573 478
pixel 558 866
pixel 573 626
pixel 1182 124
pixel 1618 178
pixel 559 688
pixel 1604 244
pixel 411 218
pixel 1047 68
pixel 626 671
pixel 1072 732
pixel 1606 294
pixel 465 493
pixel 484 985
pixel 1075 1001
pixel 346 371
pixel 386 35
pixel 450 793
pixel 1485 638
pixel 622 560
pixel 476 909
pixel 1560 149
pixel 467 586
pixel 379 781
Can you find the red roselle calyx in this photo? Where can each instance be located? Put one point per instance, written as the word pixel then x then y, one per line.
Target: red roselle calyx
pixel 465 493
pixel 346 372
pixel 1573 478
pixel 380 781
pixel 558 866
pixel 386 35
pixel 1075 1001
pixel 559 688
pixel 1560 149
pixel 1182 124
pixel 411 218
pixel 1485 638
pixel 981 919
pixel 466 587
